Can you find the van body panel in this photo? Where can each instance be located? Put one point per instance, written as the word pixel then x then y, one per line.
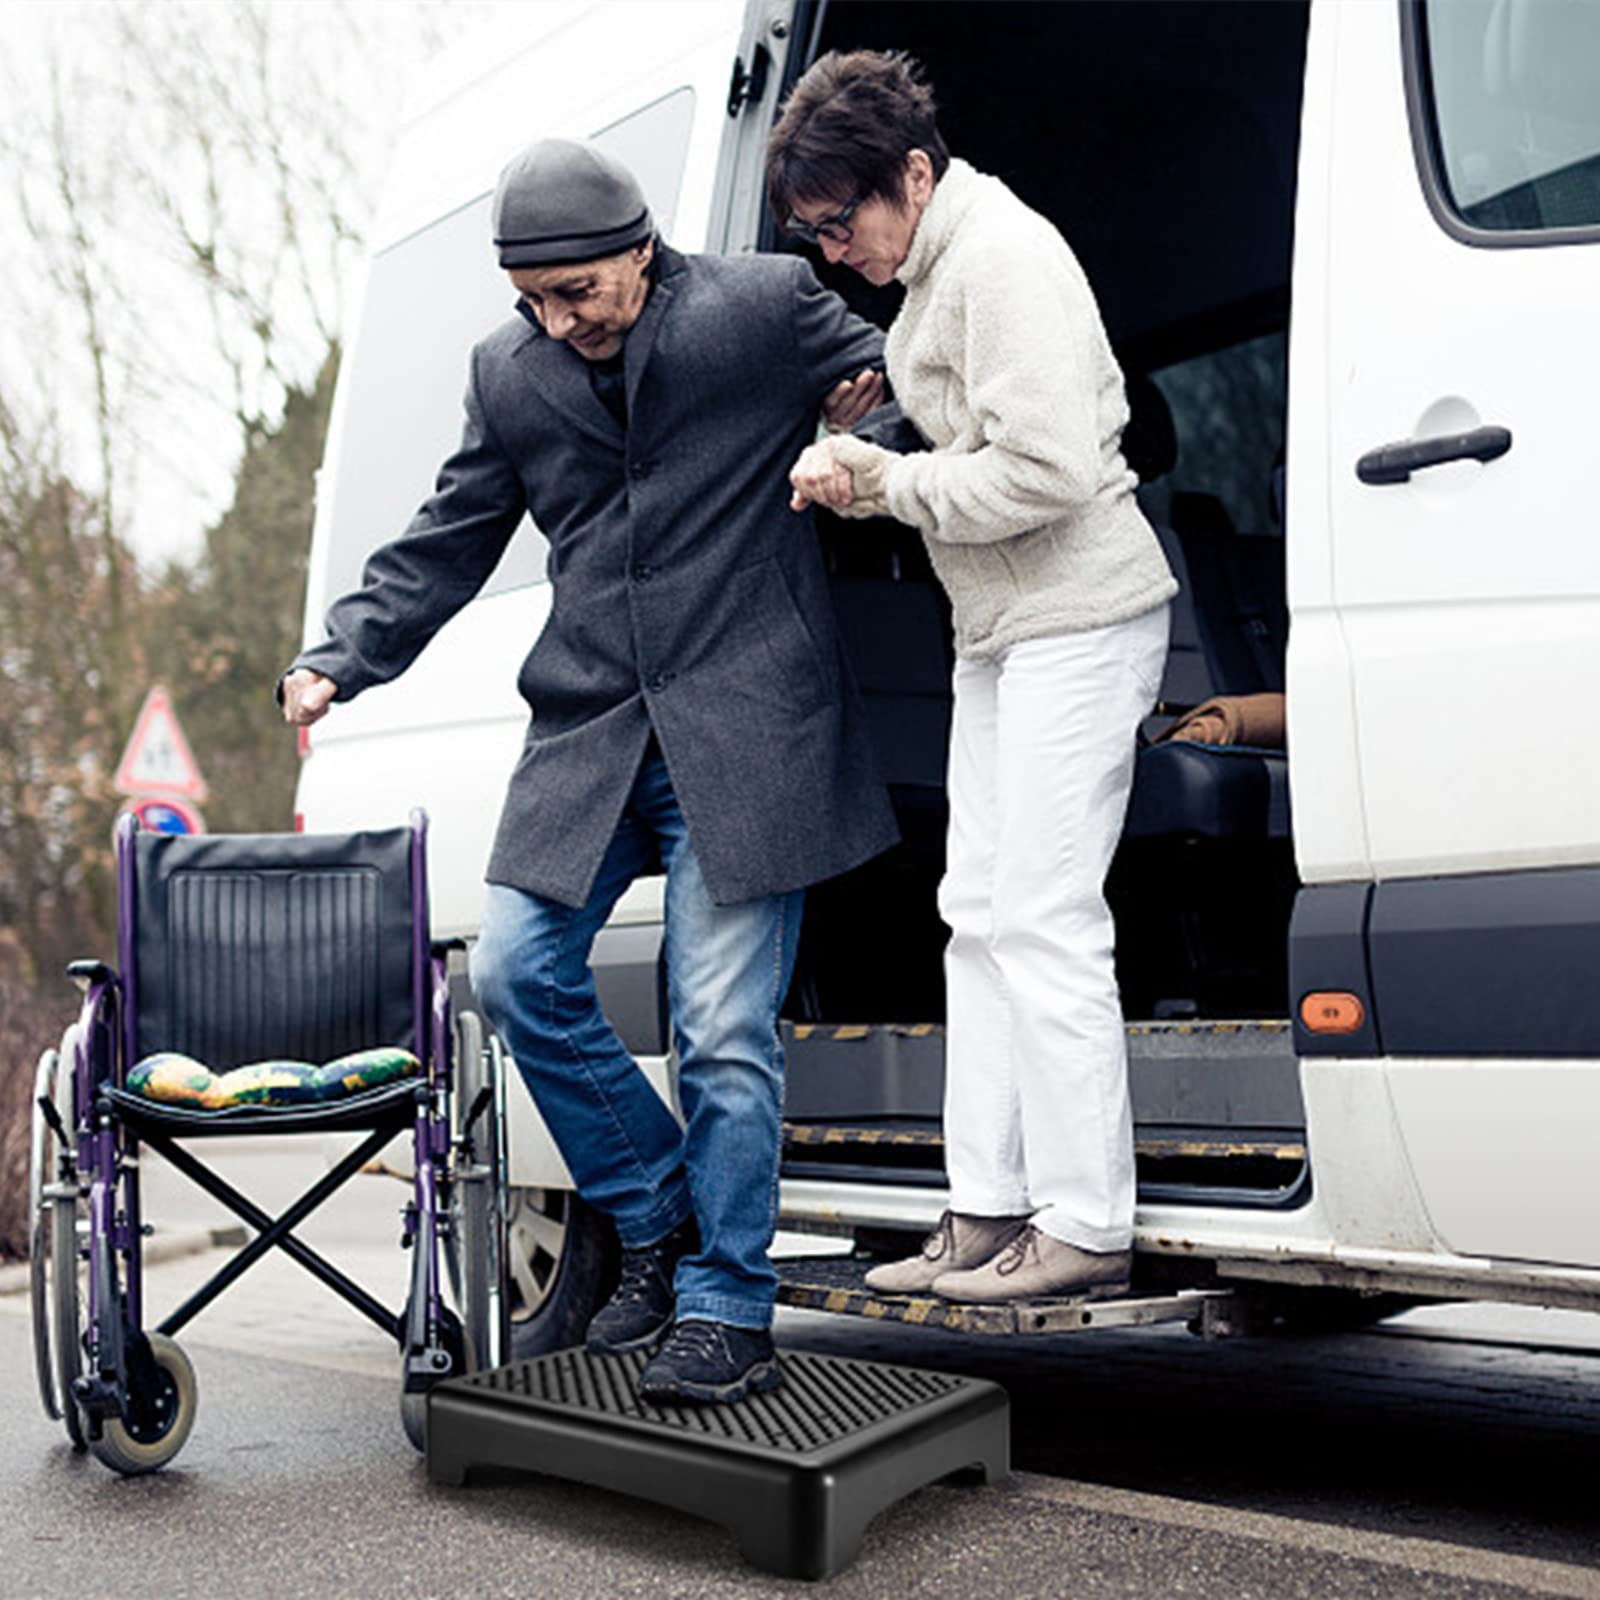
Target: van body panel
pixel 461 704
pixel 533 1160
pixel 1470 595
pixel 561 71
pixel 1325 791
pixel 1504 1151
pixel 1367 1196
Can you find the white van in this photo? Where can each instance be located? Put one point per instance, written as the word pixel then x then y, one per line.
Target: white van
pixel 1349 255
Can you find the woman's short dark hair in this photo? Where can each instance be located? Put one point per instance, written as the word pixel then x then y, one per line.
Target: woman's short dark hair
pixel 847 128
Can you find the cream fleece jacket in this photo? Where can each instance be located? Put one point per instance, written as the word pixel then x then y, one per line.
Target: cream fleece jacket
pixel 1000 359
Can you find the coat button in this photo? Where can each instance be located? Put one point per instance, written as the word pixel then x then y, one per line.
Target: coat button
pixel 642 469
pixel 659 681
pixel 643 572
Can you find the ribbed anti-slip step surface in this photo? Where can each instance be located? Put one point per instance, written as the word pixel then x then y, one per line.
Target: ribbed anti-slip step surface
pixel 796 1475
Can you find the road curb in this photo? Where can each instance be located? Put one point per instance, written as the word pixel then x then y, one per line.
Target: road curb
pixel 159 1247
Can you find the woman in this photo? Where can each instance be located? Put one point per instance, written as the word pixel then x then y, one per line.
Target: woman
pixel 1059 591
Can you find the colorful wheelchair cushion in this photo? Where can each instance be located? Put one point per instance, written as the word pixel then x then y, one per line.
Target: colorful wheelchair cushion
pixel 179 1080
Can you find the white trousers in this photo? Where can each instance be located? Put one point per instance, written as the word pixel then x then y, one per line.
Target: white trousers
pixel 1036 1113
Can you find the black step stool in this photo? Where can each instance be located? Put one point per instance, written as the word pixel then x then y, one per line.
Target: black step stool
pixel 795 1475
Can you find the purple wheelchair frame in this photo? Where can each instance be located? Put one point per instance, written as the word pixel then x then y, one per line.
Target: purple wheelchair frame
pixel 426 1330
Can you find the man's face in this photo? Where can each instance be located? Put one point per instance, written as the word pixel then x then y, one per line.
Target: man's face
pixel 589 305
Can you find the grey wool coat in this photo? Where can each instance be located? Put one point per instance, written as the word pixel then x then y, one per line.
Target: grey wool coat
pixel 688 599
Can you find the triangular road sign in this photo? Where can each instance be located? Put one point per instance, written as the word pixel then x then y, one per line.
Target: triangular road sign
pixel 157 760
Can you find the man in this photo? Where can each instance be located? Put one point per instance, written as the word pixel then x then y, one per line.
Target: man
pixel 690 707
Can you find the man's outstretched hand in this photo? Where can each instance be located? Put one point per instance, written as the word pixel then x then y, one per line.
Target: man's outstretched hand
pixel 306 696
pixel 848 402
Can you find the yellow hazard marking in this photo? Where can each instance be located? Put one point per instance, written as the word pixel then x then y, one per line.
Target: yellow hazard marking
pixel 918 1310
pixel 837 1300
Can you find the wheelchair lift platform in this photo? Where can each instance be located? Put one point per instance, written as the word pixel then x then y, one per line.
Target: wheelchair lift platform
pixel 795 1475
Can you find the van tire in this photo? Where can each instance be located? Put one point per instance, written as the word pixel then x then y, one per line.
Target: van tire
pixel 553 1293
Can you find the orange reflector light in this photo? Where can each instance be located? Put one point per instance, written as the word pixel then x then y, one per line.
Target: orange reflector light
pixel 302 741
pixel 299 822
pixel 1332 1011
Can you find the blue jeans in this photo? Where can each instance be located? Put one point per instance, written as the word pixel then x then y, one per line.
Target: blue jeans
pixel 728 968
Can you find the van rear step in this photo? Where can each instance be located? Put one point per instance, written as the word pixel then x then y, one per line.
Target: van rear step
pixel 1171 1161
pixel 835 1284
pixel 924 1136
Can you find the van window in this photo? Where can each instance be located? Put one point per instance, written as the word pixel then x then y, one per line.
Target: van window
pixel 1228 410
pixel 402 386
pixel 1512 88
pixel 407 369
pixel 653 144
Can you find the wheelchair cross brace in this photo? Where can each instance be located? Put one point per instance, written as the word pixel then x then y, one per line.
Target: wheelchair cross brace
pixel 275 1231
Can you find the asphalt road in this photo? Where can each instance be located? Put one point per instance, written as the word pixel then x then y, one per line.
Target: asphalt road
pixel 1454 1455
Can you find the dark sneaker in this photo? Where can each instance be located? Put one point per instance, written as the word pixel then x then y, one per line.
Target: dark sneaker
pixel 638 1315
pixel 712 1362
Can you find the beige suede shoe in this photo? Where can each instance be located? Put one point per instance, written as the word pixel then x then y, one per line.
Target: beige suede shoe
pixel 1035 1266
pixel 958 1241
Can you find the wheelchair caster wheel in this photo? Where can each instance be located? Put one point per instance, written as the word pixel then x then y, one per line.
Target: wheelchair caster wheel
pixel 132 1448
pixel 414 1402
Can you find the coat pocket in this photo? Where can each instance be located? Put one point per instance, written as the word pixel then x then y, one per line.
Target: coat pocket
pixel 778 656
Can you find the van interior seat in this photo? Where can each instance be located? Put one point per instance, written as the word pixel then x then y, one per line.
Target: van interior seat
pixel 1229 627
pixel 871 942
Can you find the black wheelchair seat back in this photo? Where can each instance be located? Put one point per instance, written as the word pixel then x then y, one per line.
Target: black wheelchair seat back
pixel 240 948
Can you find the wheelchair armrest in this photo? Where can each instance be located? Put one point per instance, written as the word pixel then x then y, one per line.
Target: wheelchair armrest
pixel 87 973
pixel 443 947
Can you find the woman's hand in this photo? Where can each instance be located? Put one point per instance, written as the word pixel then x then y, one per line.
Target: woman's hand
pixel 306 695
pixel 820 478
pixel 848 402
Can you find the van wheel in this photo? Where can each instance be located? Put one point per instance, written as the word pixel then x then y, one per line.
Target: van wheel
pixel 561 1266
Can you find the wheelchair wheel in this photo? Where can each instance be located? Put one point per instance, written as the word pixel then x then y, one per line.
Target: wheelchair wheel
pixel 135 1447
pixel 475 1245
pixel 44 1160
pixel 69 1300
pixel 59 1270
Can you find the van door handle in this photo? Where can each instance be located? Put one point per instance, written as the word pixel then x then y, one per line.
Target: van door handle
pixel 1394 463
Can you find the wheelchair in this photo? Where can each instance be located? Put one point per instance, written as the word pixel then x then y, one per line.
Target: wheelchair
pixel 266 984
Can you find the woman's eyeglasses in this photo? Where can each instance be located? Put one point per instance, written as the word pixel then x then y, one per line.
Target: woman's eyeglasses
pixel 836 228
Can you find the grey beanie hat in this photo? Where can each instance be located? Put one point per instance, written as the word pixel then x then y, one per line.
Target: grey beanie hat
pixel 559 200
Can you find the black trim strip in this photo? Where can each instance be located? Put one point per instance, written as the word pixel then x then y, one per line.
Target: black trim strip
pixel 1494 964
pixel 1328 951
